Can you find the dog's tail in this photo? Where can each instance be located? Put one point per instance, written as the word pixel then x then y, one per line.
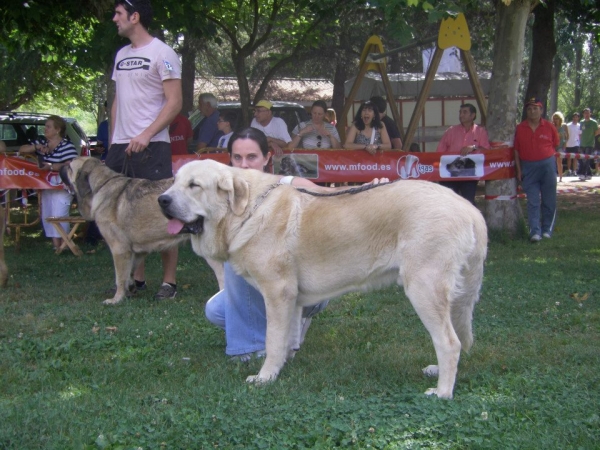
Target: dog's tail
pixel 466 294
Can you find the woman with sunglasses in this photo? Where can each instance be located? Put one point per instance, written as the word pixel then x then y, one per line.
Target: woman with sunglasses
pixel 315 133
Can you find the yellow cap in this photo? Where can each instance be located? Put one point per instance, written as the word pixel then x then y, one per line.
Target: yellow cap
pixel 265 104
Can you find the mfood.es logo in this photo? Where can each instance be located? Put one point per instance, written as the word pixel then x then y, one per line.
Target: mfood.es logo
pixel 409 167
pixel 53 179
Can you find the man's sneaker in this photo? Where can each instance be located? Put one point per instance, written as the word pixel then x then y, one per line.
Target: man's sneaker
pixel 247 357
pixel 588 177
pixel 581 177
pixel 165 291
pixel 546 235
pixel 535 238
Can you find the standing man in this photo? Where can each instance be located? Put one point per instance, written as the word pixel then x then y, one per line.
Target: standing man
pixel 274 128
pixel 573 143
pixel 589 131
pixel 536 140
pixel 147 99
pixel 464 139
pixel 389 123
pixel 207 134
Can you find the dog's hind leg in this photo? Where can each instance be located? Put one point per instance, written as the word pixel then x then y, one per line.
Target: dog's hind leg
pixel 123 262
pixel 432 305
pixel 295 334
pixel 280 305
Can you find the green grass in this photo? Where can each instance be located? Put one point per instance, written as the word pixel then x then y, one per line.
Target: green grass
pixel 161 380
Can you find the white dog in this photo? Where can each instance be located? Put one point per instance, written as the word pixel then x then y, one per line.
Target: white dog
pixel 298 249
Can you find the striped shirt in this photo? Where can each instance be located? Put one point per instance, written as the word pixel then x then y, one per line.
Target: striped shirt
pixel 64 151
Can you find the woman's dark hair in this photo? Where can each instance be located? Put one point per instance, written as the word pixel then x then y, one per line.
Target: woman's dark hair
pixel 142 7
pixel 250 133
pixel 376 122
pixel 320 104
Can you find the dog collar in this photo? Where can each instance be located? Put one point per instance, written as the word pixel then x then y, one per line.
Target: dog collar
pixel 261 199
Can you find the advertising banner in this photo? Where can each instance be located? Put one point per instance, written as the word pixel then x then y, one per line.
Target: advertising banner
pixel 320 166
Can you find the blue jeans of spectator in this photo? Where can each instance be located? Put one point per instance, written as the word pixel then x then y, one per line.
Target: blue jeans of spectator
pixel 584 164
pixel 539 184
pixel 239 309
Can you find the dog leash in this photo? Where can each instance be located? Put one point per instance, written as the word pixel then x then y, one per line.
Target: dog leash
pixel 351 191
pixel 259 201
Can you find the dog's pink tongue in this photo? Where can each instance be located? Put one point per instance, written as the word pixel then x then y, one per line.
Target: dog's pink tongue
pixel 174 226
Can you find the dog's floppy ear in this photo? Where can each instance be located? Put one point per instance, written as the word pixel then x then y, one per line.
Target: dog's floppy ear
pixel 83 189
pixel 238 191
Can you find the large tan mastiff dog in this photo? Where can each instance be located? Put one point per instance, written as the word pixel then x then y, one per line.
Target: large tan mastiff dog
pixel 299 249
pixel 127 215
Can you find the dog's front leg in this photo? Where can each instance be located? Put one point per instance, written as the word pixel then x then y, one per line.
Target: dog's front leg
pixel 280 305
pixel 123 262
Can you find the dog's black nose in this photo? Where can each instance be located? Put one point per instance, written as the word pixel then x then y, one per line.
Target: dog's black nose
pixel 164 201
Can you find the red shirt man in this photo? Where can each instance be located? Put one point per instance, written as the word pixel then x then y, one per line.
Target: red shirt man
pixel 181 135
pixel 535 138
pixel 535 142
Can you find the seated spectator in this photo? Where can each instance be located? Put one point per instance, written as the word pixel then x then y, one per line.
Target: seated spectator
pixel 181 134
pixel 414 148
pixel 331 117
pixel 56 151
pixel 390 125
pixel 315 133
pixel 207 134
pixel 226 123
pixel 273 127
pixel 367 132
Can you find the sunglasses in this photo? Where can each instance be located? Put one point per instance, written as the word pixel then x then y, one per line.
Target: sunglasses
pixel 319 138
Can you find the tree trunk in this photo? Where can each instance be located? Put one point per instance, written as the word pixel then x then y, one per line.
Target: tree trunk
pixel 556 69
pixel 188 75
pixel 339 80
pixel 578 68
pixel 239 62
pixel 543 52
pixel 502 114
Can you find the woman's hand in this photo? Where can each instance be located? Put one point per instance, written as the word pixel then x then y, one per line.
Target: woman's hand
pixel 372 148
pixel 378 181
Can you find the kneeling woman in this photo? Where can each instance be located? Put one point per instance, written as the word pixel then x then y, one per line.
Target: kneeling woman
pixel 239 308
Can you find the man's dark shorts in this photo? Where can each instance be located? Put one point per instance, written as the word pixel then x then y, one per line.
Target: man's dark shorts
pixel 154 163
pixel 572 149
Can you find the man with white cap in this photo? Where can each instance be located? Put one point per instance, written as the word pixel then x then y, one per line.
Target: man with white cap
pixel 274 128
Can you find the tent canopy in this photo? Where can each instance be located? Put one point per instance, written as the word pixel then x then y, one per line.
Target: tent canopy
pixel 407 85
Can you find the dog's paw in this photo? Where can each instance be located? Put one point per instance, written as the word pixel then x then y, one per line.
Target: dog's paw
pixel 431 371
pixel 257 380
pixel 431 391
pixel 440 394
pixel 111 301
